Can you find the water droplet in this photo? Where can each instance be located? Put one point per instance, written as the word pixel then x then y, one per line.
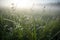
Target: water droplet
pixel 21 28
pixel 5 25
pixel 19 19
pixel 48 36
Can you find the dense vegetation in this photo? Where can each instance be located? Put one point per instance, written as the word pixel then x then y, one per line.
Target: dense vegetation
pixel 29 25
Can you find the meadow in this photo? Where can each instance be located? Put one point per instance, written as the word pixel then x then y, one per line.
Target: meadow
pixel 29 24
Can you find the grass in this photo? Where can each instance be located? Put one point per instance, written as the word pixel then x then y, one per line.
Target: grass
pixel 28 25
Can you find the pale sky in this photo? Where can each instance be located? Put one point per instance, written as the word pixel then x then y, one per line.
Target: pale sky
pixel 24 2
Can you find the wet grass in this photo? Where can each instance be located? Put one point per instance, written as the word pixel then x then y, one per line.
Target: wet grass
pixel 29 25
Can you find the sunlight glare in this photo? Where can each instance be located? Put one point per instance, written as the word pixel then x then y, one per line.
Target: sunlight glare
pixel 23 3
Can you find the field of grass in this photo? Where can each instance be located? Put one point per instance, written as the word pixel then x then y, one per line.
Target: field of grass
pixel 29 24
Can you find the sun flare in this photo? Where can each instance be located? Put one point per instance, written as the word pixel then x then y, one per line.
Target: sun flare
pixel 23 3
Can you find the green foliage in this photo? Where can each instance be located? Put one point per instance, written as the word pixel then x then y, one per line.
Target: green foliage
pixel 15 26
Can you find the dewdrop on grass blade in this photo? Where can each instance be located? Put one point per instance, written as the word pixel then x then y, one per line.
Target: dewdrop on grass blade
pixel 5 25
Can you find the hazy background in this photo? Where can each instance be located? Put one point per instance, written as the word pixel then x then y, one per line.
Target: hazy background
pixel 8 2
